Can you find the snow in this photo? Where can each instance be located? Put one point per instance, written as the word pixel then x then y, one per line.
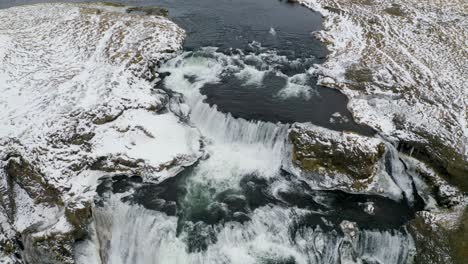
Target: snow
pixel 416 60
pixel 156 138
pixel 86 65
pixel 28 212
pixel 71 77
pixel 64 68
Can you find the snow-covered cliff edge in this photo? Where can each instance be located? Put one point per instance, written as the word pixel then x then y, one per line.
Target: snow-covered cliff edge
pixel 78 101
pixel 403 66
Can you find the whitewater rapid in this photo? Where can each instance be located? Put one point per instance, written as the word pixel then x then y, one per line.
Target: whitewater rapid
pixel 234 207
pixel 138 235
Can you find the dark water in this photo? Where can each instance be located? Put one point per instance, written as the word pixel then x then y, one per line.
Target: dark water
pixel 276 28
pixel 279 35
pixel 211 206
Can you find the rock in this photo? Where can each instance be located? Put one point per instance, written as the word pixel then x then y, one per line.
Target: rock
pixel 79 215
pixel 21 172
pixel 148 10
pixel 443 158
pixel 422 105
pixel 51 248
pixel 55 244
pixel 331 153
pixel 240 217
pixel 441 236
pixel 446 195
pixel 115 164
pixel 235 202
pixel 97 63
pixel 216 212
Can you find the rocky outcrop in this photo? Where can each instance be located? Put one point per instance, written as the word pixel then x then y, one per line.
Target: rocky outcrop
pixel 82 104
pixel 21 172
pixel 339 158
pixel 441 236
pixel 335 153
pixel 402 66
pixel 41 238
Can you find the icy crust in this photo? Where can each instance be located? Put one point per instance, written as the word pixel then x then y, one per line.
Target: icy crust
pixel 403 66
pixel 78 102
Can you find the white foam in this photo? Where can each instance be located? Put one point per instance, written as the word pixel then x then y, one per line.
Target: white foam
pixel 237 146
pixel 272 31
pixel 296 86
pixel 132 234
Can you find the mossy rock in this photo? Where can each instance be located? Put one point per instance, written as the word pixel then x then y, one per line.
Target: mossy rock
pixel 32 181
pixel 117 164
pixel 359 74
pixel 395 10
pixel 342 154
pixel 51 248
pixel 80 139
pixel 106 118
pixel 443 158
pixel 148 10
pixel 112 4
pixel 79 217
pixel 7 247
pixel 440 242
pixel 458 240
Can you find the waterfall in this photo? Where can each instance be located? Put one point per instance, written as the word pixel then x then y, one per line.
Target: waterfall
pixel 132 234
pixel 272 232
pixel 238 146
pixel 227 129
pixel 398 171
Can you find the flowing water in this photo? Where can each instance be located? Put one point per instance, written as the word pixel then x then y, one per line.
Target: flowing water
pixel 243 76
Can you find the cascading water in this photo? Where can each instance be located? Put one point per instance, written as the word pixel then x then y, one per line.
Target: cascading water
pixel 137 235
pixel 236 205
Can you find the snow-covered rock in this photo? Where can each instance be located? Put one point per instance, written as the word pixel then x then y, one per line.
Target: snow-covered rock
pixel 441 236
pixel 78 102
pixel 403 66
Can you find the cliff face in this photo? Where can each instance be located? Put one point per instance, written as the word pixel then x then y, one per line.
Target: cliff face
pixel 78 102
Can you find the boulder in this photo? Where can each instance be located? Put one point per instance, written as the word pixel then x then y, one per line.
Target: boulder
pixel 316 150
